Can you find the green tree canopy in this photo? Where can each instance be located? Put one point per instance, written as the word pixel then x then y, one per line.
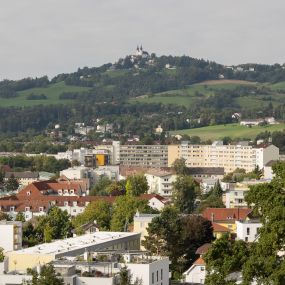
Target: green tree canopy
pixel 99 210
pixel 179 166
pixel 136 185
pixel 124 210
pixel 185 190
pixel 55 225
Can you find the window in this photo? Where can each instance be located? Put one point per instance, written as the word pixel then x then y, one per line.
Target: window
pixel 12 209
pixel 161 274
pixel 27 209
pixel 248 231
pixel 152 278
pixel 28 193
pixel 65 203
pixel 246 239
pixel 41 209
pixel 71 191
pixel 157 276
pixel 202 268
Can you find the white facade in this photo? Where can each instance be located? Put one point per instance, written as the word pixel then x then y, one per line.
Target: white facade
pixel 76 173
pixel 248 230
pixel 160 183
pixel 152 273
pixel 196 274
pixel 207 184
pixel 268 172
pixel 264 155
pixel 11 235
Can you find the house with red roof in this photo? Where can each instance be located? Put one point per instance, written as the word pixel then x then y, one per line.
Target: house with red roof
pixel 38 197
pixel 226 217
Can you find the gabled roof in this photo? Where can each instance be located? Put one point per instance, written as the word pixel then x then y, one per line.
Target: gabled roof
pixel 199 261
pixel 203 248
pixel 226 214
pixel 219 228
pixel 150 196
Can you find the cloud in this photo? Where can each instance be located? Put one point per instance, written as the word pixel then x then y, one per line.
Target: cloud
pixel 51 37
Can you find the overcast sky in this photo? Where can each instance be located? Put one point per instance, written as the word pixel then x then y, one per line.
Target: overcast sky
pixel 41 37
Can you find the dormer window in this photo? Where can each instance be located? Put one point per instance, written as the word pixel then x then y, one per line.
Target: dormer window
pixel 41 209
pixel 28 193
pixel 65 191
pixel 65 203
pixel 74 203
pixel 60 192
pixel 27 209
pixel 71 191
pixel 12 209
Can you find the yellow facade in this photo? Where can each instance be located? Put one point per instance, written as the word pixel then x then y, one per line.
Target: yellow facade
pixel 100 159
pixel 21 262
pixel 230 225
pixel 173 154
pixel 229 157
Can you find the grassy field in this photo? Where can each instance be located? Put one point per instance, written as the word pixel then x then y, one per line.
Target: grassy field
pixel 52 93
pixel 186 96
pixel 230 130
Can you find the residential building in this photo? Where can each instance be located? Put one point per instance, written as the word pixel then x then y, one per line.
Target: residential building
pixel 160 182
pixel 265 153
pixel 11 235
pixel 196 274
pixel 230 157
pixel 234 196
pixel 226 217
pixel 24 178
pixel 248 230
pixel 37 198
pixel 153 156
pixel 141 222
pixel 268 171
pixel 71 247
pixel 207 184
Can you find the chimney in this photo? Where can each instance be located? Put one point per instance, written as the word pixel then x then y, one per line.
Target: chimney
pixel 212 217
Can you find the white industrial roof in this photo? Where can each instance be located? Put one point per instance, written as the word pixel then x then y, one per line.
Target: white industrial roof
pixel 75 243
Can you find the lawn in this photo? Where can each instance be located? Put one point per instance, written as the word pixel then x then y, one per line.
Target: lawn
pixel 230 130
pixel 52 93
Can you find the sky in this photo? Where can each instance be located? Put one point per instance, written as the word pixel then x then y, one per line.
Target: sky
pixel 48 37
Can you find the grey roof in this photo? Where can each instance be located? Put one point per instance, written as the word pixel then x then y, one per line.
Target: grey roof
pixel 24 174
pixel 206 170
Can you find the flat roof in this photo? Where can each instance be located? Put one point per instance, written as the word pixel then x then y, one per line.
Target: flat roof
pixel 83 242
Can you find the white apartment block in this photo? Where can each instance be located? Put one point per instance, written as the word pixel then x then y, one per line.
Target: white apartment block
pixel 230 157
pixel 160 182
pixel 11 235
pixel 153 156
pixel 248 230
pixel 236 192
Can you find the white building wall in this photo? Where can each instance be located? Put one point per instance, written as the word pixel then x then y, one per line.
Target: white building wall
pixel 196 274
pixel 247 231
pixel 155 273
pixel 11 235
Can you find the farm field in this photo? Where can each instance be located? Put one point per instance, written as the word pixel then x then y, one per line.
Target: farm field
pixel 52 93
pixel 230 130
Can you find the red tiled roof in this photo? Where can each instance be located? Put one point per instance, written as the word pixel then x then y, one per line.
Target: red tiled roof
pixel 199 261
pixel 226 214
pixel 150 196
pixel 219 228
pixel 203 248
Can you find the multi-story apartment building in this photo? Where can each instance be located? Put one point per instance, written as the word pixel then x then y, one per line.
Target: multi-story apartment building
pixel 11 235
pixel 230 157
pixel 160 182
pixel 154 156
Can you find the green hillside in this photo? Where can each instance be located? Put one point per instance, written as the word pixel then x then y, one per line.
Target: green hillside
pixel 230 130
pixel 196 92
pixel 52 93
